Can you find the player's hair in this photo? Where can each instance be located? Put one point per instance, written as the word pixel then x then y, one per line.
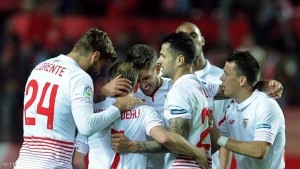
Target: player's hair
pixel 126 70
pixel 182 44
pixel 245 65
pixel 96 40
pixel 142 56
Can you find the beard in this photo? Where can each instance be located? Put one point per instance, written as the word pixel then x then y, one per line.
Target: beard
pixel 91 71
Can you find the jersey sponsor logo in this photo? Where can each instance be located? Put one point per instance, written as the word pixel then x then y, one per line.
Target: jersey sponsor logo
pixel 180 111
pixel 88 92
pixel 264 126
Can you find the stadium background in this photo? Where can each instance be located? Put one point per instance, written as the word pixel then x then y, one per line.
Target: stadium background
pixel 34 30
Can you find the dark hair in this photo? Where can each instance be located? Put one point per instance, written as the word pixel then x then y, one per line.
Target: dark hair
pixel 126 70
pixel 245 65
pixel 96 40
pixel 182 44
pixel 142 56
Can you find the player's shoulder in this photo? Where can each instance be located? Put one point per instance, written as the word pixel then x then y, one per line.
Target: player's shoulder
pixel 265 102
pixel 145 108
pixel 216 70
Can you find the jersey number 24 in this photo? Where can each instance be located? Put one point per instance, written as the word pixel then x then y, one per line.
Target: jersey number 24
pixel 46 111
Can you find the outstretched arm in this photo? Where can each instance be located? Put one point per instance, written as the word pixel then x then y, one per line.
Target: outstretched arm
pixel 272 88
pixel 121 144
pixel 165 141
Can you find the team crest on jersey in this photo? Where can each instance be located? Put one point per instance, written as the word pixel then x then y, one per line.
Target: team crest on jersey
pixel 88 92
pixel 245 122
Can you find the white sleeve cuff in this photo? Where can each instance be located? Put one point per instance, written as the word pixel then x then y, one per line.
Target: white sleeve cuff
pixel 222 141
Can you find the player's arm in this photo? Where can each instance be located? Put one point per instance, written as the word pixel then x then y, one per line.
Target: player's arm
pixel 272 88
pixel 254 149
pixel 81 149
pixel 165 141
pixel 225 158
pixel 121 144
pixel 175 140
pixel 78 160
pixel 177 143
pixel 116 87
pixel 89 123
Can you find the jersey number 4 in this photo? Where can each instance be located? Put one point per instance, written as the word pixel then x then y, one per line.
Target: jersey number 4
pixel 49 111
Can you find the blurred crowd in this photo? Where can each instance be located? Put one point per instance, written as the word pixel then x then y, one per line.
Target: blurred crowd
pixel 269 28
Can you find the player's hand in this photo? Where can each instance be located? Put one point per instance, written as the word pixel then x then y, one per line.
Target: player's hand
pixel 201 158
pixel 120 143
pixel 125 103
pixel 214 131
pixel 274 89
pixel 116 87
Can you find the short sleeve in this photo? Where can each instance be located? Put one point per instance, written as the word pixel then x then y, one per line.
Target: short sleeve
pixel 269 117
pixel 152 119
pixel 177 104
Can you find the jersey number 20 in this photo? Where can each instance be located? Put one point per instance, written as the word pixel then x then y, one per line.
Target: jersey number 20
pixel 49 111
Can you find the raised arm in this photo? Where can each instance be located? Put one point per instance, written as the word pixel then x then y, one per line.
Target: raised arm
pixel 273 88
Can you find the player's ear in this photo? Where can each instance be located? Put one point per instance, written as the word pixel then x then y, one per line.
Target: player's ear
pixel 180 60
pixel 243 80
pixel 202 40
pixel 96 56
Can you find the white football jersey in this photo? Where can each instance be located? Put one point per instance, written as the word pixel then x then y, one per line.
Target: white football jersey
pixel 135 124
pixel 187 99
pixel 258 118
pixel 49 127
pixel 157 100
pixel 212 74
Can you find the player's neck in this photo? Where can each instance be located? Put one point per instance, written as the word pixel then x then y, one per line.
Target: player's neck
pixel 243 95
pixel 200 63
pixel 187 69
pixel 82 61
